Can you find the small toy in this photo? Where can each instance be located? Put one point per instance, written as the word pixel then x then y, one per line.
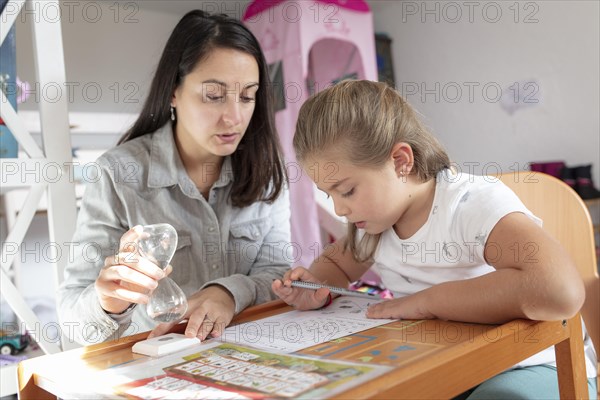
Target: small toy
pixel 11 344
pixel 371 287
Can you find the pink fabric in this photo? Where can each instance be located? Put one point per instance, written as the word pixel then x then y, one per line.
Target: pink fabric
pixel 549 167
pixel 320 49
pixel 258 6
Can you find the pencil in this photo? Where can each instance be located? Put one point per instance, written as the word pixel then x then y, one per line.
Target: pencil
pixel 333 289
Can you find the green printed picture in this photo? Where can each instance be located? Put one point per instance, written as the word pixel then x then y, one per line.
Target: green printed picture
pixel 241 372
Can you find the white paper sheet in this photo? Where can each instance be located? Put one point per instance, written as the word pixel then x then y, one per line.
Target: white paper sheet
pixel 297 330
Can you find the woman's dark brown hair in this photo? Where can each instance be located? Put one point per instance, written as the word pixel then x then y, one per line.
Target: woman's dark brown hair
pixel 258 169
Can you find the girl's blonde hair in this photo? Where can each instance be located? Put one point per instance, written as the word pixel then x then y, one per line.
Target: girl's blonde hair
pixel 364 120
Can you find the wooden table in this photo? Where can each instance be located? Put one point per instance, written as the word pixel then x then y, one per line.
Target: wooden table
pixel 431 359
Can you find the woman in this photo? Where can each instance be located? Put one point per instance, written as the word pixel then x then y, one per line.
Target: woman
pixel 204 157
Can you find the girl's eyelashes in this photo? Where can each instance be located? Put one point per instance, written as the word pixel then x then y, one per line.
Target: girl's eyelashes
pixel 348 193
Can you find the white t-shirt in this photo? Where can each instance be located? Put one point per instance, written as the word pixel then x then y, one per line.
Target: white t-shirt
pixel 450 245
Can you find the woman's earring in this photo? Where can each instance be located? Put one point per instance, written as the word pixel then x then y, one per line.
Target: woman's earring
pixel 172 113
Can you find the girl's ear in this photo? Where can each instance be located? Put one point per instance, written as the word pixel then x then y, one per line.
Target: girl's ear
pixel 403 158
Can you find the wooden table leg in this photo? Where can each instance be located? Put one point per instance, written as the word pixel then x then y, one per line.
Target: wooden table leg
pixel 570 362
pixel 28 390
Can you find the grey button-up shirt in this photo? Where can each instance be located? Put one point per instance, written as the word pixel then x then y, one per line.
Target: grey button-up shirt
pixel 144 182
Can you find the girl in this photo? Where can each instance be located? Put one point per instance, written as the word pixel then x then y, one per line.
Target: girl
pixel 442 241
pixel 189 160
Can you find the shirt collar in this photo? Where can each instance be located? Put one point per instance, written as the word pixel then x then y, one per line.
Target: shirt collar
pixel 165 163
pixel 166 168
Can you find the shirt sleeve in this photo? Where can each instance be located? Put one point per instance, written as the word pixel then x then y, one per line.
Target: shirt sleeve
pixel 97 236
pixel 479 208
pixel 271 263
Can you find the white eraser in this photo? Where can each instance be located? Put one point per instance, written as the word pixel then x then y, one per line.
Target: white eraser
pixel 166 344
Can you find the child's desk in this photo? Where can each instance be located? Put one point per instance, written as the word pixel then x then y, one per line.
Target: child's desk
pixel 433 359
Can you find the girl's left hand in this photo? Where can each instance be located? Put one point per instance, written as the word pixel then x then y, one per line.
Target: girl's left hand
pixel 409 307
pixel 209 312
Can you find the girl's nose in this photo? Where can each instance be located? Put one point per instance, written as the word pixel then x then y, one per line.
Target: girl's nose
pixel 340 209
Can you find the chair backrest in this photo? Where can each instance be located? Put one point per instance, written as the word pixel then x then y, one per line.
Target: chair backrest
pixel 567 218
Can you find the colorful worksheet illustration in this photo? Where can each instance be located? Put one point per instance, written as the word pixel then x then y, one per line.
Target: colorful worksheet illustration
pixel 233 372
pixel 297 330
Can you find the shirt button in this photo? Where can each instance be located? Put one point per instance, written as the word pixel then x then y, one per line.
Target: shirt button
pixel 215 266
pixel 211 229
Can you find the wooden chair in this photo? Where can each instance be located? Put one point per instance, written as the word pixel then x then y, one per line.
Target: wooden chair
pixel 567 218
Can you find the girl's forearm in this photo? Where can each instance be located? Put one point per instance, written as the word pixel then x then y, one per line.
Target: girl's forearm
pixel 499 297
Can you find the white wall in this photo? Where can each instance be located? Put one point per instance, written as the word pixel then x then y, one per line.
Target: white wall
pixel 111 48
pixel 553 44
pixel 109 64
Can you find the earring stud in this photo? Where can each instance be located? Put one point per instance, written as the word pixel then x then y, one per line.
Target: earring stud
pixel 172 113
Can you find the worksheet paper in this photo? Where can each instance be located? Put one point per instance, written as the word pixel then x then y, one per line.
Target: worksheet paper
pixel 229 371
pixel 297 330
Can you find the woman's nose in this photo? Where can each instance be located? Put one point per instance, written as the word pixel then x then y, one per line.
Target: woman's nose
pixel 232 114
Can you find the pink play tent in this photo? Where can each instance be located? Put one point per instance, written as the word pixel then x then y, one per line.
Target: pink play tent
pixel 309 45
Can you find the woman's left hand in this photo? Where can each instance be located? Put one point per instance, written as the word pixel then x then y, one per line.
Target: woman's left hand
pixel 209 312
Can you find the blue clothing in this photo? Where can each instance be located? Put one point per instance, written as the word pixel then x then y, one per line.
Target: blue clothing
pixel 536 382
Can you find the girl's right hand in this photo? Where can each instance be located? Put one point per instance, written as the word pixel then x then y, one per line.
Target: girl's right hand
pixel 126 277
pixel 301 299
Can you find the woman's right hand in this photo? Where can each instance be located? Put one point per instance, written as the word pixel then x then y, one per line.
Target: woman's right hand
pixel 301 299
pixel 126 277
